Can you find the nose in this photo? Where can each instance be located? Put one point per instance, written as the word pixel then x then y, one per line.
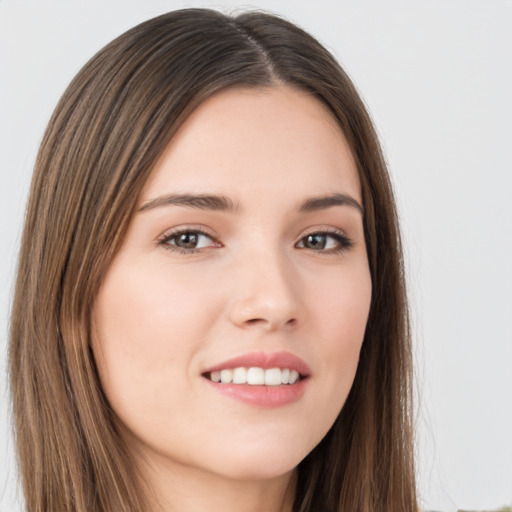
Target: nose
pixel 266 295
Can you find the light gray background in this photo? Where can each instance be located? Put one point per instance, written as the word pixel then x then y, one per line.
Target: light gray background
pixel 437 77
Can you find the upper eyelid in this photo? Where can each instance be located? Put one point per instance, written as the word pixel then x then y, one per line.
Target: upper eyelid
pixel 334 234
pixel 175 234
pixel 322 229
pixel 171 232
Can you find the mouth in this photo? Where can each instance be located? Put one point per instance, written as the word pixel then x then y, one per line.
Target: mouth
pixel 255 376
pixel 265 380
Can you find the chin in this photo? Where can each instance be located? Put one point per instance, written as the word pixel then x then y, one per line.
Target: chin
pixel 264 463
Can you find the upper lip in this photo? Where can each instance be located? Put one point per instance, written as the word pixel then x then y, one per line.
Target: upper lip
pixel 265 360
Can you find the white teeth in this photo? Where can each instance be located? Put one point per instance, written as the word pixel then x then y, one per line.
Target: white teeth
pixel 226 376
pixel 256 376
pixel 240 376
pixel 273 377
pixel 294 375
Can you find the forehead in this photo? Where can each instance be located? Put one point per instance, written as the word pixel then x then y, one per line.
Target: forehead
pixel 257 141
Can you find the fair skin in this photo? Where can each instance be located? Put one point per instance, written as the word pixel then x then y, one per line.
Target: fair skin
pixel 277 266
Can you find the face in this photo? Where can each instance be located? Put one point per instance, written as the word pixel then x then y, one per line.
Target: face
pixel 245 262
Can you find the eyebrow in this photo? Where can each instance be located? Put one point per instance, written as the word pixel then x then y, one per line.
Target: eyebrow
pixel 200 202
pixel 223 203
pixel 322 203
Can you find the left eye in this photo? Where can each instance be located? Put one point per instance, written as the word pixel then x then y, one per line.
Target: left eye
pixel 324 242
pixel 188 240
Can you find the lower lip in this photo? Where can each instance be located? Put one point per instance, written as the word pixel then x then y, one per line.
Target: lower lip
pixel 262 396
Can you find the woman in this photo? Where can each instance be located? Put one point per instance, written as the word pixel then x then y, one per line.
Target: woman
pixel 210 309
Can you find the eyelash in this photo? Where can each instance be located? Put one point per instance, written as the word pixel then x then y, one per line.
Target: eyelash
pixel 344 243
pixel 164 241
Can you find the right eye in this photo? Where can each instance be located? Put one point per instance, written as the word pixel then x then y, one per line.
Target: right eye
pixel 187 241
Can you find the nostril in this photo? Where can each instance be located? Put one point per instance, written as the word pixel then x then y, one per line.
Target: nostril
pixel 253 321
pixel 262 321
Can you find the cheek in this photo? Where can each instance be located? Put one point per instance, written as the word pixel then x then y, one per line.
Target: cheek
pixel 340 305
pixel 347 314
pixel 146 334
pixel 144 310
pixel 341 315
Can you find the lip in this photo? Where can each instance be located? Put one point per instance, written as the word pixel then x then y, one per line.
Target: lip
pixel 266 361
pixel 263 396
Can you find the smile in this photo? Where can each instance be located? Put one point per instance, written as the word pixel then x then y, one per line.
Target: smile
pixel 255 376
pixel 259 379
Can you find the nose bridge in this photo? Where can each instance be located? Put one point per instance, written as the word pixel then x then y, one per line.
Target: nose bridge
pixel 266 289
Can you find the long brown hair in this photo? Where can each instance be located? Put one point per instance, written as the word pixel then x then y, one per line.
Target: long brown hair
pixel 107 132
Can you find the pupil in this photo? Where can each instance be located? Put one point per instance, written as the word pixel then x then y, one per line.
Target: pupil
pixel 187 240
pixel 316 241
